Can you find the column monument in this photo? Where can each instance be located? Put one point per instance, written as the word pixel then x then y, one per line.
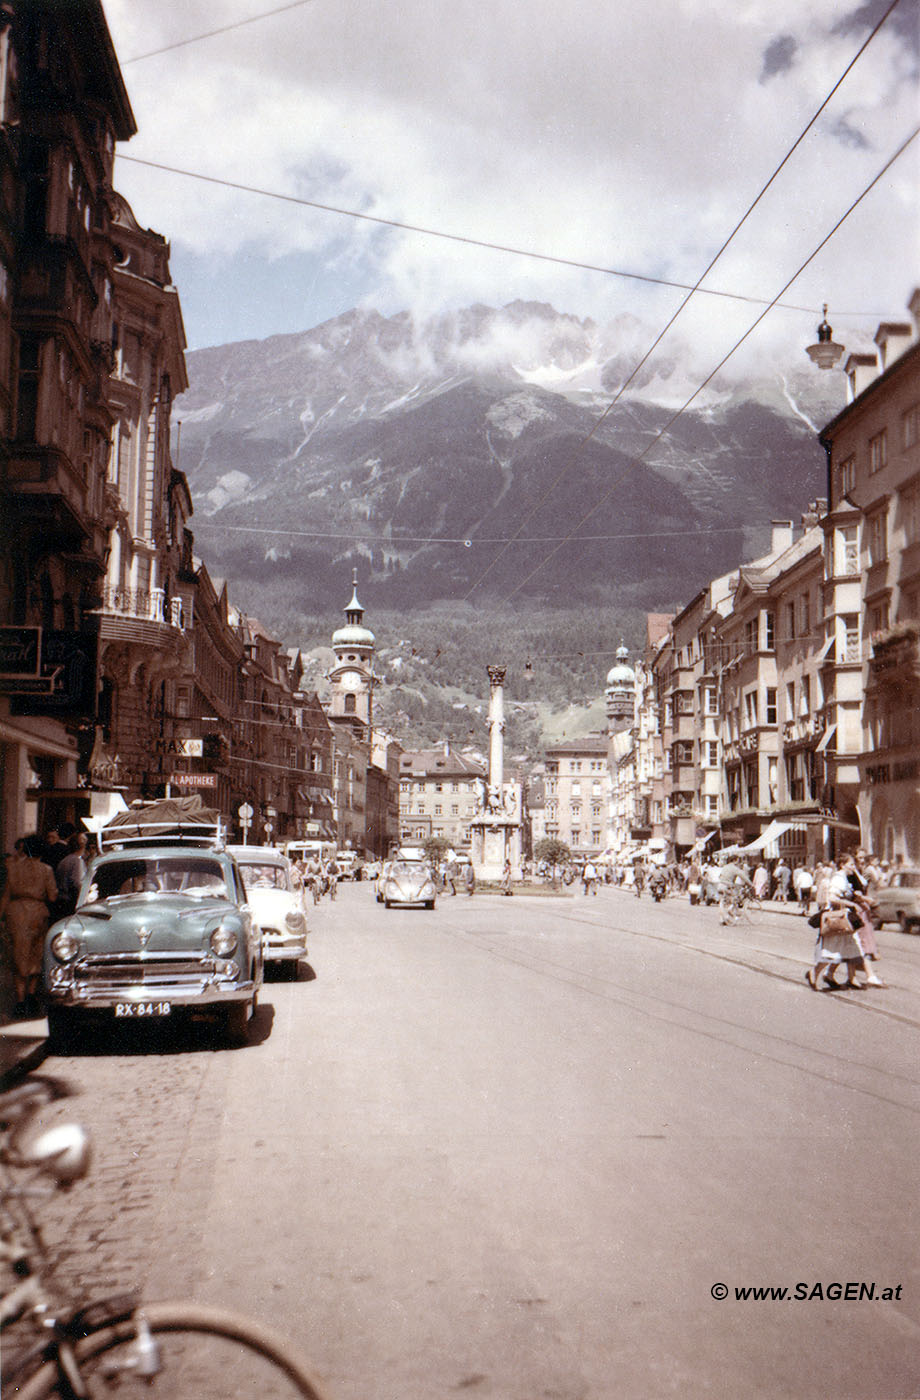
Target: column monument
pixel 495 831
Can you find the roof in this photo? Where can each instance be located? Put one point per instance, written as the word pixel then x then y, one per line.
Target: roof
pixel 596 744
pixel 437 763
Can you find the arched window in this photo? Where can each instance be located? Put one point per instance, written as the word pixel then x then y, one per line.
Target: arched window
pixel 350 704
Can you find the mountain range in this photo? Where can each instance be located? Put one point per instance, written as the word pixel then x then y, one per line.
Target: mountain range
pixel 480 455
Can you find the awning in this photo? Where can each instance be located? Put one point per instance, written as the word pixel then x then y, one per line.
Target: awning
pixel 768 838
pixel 825 739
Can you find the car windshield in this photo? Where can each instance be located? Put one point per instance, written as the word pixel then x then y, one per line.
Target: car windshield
pixel 265 877
pixel 195 876
pixel 411 870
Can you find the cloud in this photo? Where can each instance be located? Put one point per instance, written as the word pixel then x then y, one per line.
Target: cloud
pixel 778 57
pixel 632 138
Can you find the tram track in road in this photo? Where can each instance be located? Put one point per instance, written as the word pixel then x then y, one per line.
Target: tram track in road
pixel 715 1027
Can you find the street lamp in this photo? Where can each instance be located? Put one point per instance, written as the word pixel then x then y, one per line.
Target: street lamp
pixel 826 352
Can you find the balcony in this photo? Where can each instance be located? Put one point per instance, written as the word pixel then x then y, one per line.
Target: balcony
pixel 132 615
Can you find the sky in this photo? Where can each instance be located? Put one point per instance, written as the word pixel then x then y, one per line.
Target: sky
pixel 631 138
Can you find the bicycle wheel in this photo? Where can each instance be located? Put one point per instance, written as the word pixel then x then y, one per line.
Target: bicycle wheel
pixel 204 1354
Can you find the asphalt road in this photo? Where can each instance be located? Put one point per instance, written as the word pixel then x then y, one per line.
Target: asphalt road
pixel 510 1148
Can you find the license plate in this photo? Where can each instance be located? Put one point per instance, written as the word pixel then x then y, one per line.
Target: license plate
pixel 142 1008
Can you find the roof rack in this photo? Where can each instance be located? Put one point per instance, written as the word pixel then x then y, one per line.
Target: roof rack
pixel 166 822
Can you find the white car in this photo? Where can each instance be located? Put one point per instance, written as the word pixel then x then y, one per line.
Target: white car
pixel 899 902
pixel 277 906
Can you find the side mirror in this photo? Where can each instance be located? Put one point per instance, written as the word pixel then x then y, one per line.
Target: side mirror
pixel 63 1152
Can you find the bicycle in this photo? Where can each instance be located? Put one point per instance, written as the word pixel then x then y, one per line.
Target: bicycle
pixel 183 1349
pixel 737 904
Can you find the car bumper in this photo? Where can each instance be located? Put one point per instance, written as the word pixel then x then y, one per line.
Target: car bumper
pixel 279 954
pixel 102 984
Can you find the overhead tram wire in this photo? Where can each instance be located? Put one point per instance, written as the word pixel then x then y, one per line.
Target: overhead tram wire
pixel 397 540
pixel 475 242
pixel 214 33
pixel 572 534
pixel 571 460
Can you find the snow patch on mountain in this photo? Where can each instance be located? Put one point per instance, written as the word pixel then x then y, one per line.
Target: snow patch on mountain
pixel 512 415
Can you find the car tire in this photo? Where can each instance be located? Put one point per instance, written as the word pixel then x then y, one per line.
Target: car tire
pixel 429 903
pixel 908 923
pixel 387 904
pixel 236 1020
pixel 65 1031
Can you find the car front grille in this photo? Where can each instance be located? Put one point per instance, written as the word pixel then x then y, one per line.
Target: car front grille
pixel 112 971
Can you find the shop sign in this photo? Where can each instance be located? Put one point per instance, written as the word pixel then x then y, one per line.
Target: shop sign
pixel 66 680
pixel 20 656
pixel 195 780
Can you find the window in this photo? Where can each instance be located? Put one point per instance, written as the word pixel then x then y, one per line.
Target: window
pixel 910 514
pixel 878 537
pixel 847 557
pixel 851 638
pixel 712 805
pixel 710 702
pixel 576 789
pixel 846 476
pixel 437 809
pixel 750 634
pixel 771 704
pixel 878 617
pixel 878 451
pixel 790 699
pixel 909 426
pixel 750 709
pixel 805 615
pixel 805 696
pixel 770 630
pixel 710 753
pixel 790 621
pixel 350 704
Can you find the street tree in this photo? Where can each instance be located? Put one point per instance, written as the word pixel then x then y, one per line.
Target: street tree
pixel 553 852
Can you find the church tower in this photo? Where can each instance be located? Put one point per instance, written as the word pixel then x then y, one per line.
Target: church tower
pixel 620 694
pixel 352 674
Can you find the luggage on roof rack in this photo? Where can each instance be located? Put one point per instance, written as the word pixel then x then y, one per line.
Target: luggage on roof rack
pixel 166 821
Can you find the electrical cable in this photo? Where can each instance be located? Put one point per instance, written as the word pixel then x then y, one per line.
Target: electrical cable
pixel 212 33
pixel 570 461
pixel 738 343
pixel 397 540
pixel 474 242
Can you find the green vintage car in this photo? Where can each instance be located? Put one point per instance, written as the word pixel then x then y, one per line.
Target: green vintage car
pixel 159 929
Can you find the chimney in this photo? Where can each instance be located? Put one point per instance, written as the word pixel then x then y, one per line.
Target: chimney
pixel 782 536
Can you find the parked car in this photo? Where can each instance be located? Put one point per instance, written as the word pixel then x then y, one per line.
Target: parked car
pixel 371 870
pixel 899 901
pixel 161 927
pixel 406 882
pixel 277 905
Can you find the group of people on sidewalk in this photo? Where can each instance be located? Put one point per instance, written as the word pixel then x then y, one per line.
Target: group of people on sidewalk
pixel 42 881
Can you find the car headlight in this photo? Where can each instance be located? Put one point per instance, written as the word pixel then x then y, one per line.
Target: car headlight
pixel 294 920
pixel 224 940
pixel 65 945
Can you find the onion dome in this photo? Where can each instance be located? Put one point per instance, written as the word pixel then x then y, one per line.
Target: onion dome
pixel 621 675
pixel 354 633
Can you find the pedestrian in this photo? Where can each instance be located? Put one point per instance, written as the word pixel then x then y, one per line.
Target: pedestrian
pixel 803 884
pixel 69 875
pixel 25 904
pixel 782 875
pixel 761 881
pixel 639 878
pixel 589 877
pixel 849 884
pixel 506 879
pixel 469 878
pixel 450 876
pixel 54 848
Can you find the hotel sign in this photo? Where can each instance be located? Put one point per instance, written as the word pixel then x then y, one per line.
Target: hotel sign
pixel 20 656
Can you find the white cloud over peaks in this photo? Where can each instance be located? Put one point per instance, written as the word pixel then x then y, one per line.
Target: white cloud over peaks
pixel 628 137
